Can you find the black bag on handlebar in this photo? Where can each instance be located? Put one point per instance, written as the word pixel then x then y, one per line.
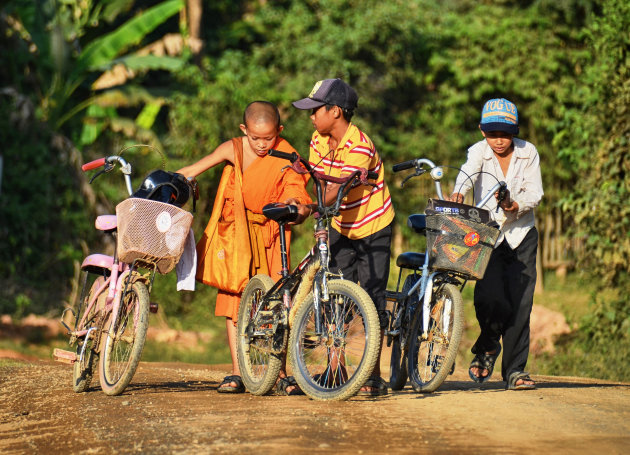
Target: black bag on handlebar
pixel 460 238
pixel 163 186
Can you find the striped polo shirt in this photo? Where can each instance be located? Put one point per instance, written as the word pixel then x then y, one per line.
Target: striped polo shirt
pixel 366 209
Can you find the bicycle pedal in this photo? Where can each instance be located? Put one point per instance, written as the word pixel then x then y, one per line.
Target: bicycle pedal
pixel 59 355
pixel 153 307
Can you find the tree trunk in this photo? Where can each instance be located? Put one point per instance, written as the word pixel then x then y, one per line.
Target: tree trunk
pixel 194 11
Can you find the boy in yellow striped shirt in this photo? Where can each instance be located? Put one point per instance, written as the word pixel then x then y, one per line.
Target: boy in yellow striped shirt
pixel 361 236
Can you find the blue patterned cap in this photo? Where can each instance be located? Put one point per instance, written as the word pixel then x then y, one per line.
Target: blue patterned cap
pixel 499 114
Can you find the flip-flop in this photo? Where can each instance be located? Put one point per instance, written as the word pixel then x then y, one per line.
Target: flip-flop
pixel 225 386
pixel 484 361
pixel 519 375
pixel 378 386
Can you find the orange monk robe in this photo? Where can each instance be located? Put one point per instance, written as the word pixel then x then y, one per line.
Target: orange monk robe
pixel 264 181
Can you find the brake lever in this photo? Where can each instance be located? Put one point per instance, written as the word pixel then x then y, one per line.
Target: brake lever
pixel 106 168
pixel 194 186
pixel 419 171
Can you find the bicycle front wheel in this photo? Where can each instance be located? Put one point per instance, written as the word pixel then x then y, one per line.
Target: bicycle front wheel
pixel 83 368
pixel 254 343
pixel 123 342
pixel 334 363
pixel 431 358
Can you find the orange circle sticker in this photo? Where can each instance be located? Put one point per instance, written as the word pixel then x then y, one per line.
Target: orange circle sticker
pixel 471 239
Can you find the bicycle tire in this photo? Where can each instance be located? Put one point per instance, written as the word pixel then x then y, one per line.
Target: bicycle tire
pixel 355 340
pixel 259 368
pixel 398 360
pixel 123 344
pixel 431 360
pixel 83 369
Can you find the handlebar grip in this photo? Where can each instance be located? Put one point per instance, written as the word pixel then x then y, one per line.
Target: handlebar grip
pixel 284 155
pixel 371 175
pixel 93 164
pixel 404 165
pixel 502 193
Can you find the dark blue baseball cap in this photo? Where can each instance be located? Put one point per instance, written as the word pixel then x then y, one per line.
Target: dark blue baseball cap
pixel 329 91
pixel 499 114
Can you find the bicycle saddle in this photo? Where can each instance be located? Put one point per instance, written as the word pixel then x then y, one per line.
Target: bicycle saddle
pixel 410 260
pixel 281 213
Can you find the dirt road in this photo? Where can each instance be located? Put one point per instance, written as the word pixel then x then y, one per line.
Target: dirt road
pixel 174 408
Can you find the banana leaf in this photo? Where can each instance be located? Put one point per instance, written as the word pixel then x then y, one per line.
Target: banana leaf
pixel 102 50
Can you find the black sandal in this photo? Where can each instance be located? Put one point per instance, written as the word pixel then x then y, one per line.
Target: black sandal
pixel 483 361
pixel 516 376
pixel 378 386
pixel 284 383
pixel 225 386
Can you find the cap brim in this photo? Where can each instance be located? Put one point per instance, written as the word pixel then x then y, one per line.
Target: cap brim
pixel 499 126
pixel 307 103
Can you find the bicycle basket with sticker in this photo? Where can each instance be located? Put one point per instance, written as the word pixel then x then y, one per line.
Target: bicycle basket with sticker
pixel 460 238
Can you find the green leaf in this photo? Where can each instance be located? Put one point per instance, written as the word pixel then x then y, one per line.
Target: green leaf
pixel 115 7
pixel 100 51
pixel 146 118
pixel 146 62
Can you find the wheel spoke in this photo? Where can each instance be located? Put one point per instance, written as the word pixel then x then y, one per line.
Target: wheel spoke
pixel 432 357
pixel 330 364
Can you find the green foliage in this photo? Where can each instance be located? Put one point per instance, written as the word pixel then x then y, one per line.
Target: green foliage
pixel 39 208
pixel 63 57
pixel 45 221
pixel 600 151
pixel 422 73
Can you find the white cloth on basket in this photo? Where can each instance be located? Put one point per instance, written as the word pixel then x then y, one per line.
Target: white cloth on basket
pixel 186 268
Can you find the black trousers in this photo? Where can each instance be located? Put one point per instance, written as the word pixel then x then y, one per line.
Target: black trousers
pixel 365 261
pixel 503 302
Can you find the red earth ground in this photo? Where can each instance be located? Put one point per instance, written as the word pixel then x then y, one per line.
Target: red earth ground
pixel 175 408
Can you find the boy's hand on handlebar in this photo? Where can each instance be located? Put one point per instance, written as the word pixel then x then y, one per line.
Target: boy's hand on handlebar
pixel 507 204
pixel 304 210
pixel 457 197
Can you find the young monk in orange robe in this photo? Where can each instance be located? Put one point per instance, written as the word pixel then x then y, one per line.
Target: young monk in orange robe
pixel 261 180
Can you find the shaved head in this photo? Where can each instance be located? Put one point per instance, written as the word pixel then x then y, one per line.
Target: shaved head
pixel 261 112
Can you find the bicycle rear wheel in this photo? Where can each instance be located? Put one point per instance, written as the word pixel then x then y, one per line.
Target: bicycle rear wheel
pixel 259 366
pixel 398 362
pixel 431 358
pixel 124 341
pixel 334 364
pixel 83 368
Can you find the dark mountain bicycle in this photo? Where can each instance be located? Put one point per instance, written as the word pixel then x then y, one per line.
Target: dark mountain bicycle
pixel 328 325
pixel 427 319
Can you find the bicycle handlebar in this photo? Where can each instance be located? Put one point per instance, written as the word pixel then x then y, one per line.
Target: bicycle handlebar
pixel 363 174
pixel 294 157
pixel 437 173
pixel 404 165
pixel 284 155
pixel 109 162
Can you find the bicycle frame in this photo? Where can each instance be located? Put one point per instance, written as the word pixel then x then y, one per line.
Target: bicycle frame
pixel 427 279
pixel 285 289
pixel 323 215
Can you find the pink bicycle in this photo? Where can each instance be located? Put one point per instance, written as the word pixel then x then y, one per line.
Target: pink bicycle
pixel 111 316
